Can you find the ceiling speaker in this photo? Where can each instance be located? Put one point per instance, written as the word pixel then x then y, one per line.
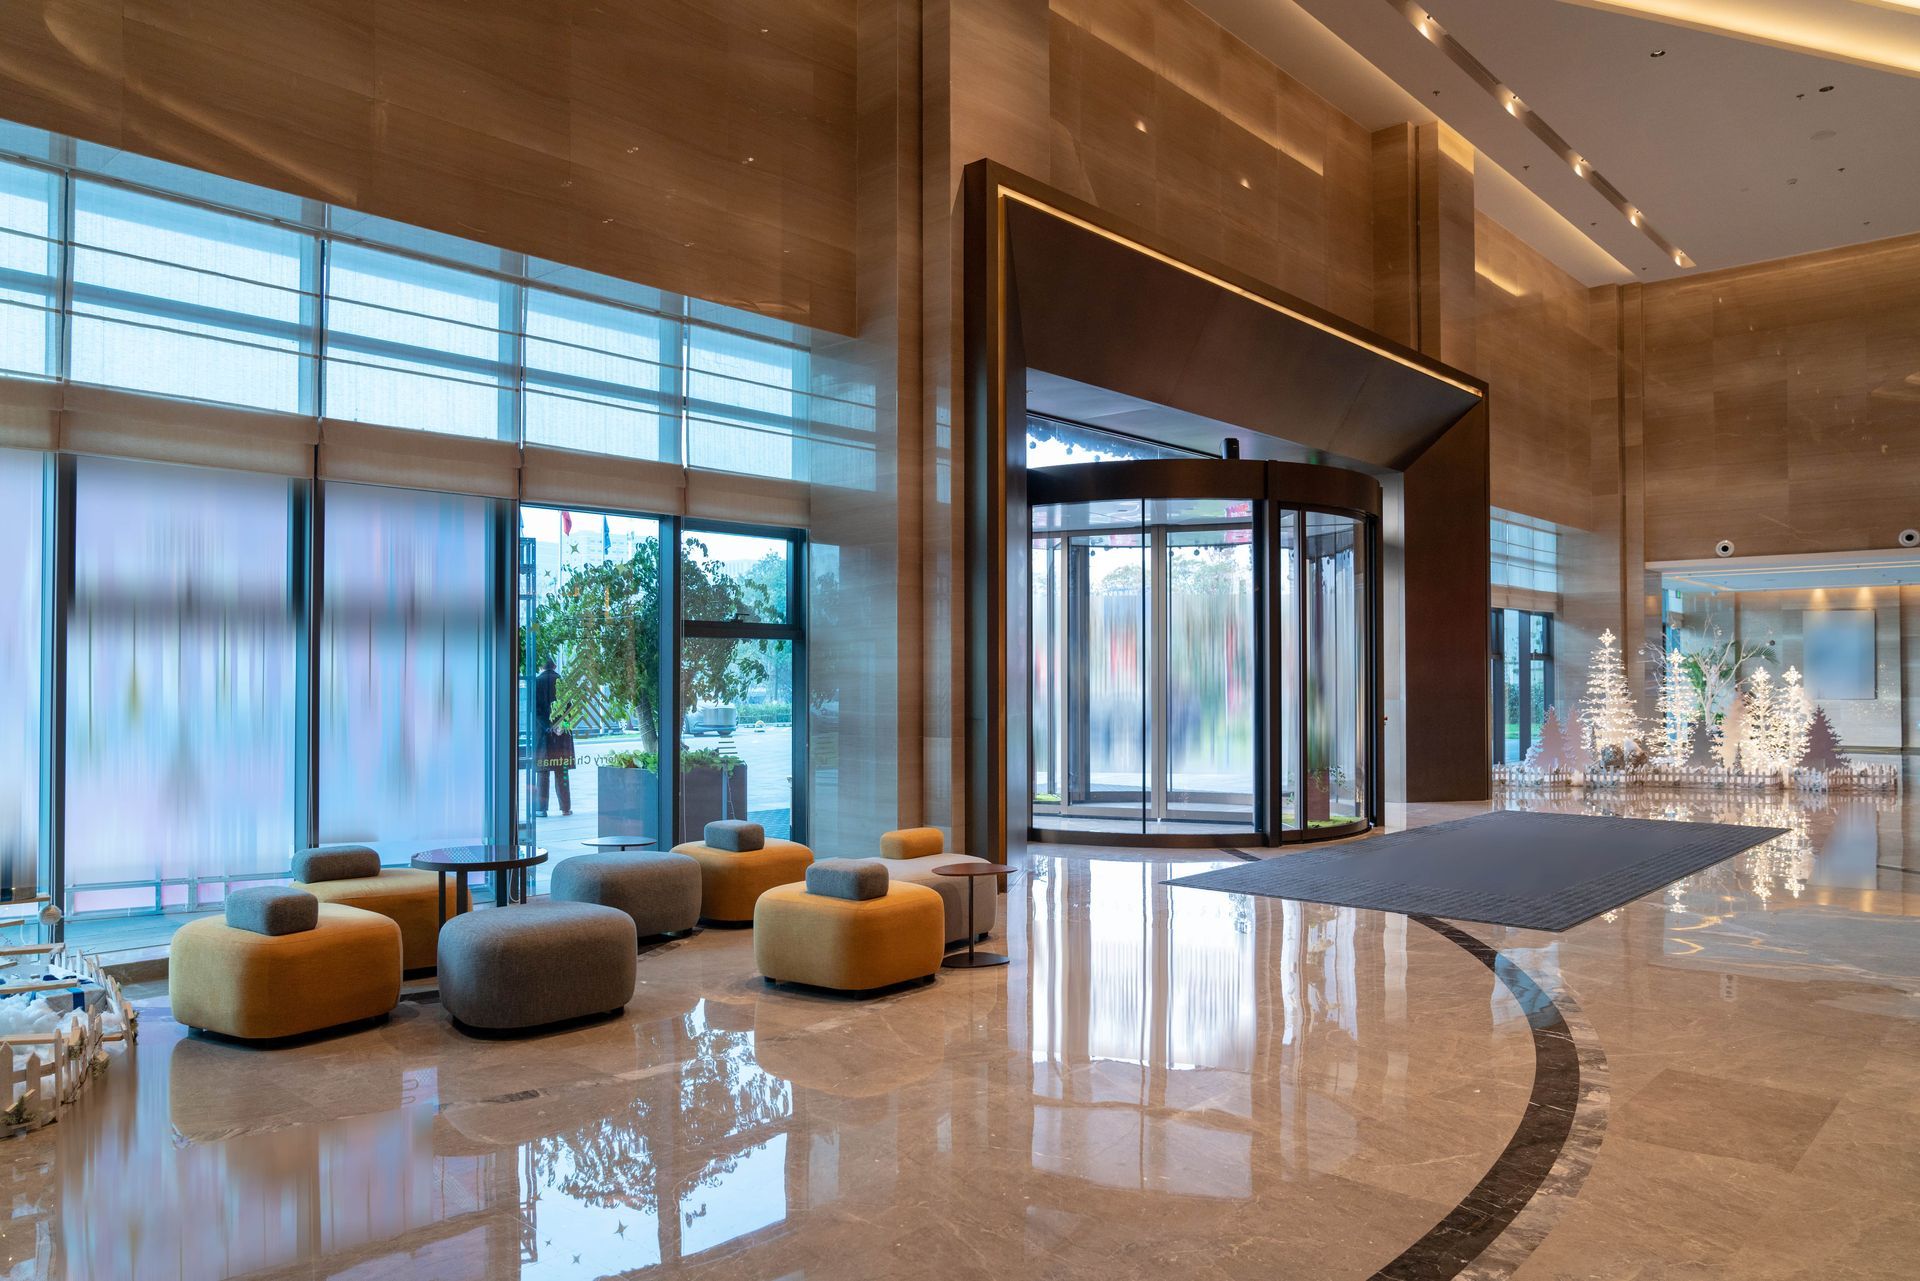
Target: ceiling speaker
pixel 1723 548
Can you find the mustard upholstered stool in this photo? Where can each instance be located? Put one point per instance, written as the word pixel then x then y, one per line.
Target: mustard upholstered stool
pixel 240 982
pixel 738 863
pixel 913 853
pixel 873 933
pixel 351 875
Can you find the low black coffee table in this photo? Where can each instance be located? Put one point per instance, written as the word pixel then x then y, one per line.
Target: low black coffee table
pixel 462 860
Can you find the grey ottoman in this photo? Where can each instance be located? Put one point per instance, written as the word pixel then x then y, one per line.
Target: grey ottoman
pixel 522 967
pixel 661 892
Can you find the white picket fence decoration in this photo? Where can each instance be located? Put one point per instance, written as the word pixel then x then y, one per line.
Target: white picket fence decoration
pixel 42 1074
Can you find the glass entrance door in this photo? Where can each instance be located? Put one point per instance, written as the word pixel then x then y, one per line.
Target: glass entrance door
pixel 1144 667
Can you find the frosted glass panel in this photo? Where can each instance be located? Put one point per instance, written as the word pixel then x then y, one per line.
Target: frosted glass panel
pixel 1334 788
pixel 28 263
pixel 602 379
pixel 414 344
pixel 404 745
pixel 180 683
pixel 21 597
pixel 183 301
pixel 1210 714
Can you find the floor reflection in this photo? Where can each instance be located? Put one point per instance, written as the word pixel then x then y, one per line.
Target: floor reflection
pixel 1158 1072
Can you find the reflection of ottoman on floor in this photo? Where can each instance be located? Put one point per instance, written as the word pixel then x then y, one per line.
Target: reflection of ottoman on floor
pixel 738 863
pixel 522 967
pixel 279 963
pixel 913 853
pixel 849 927
pixel 661 892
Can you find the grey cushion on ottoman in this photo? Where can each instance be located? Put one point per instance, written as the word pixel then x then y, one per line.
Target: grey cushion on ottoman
pixel 850 878
pixel 335 863
pixel 661 892
pixel 273 909
pixel 521 967
pixel 735 835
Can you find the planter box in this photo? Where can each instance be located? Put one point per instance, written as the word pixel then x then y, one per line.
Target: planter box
pixel 629 802
pixel 701 801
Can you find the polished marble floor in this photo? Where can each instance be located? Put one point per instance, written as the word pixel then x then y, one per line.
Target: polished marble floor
pixel 1164 1082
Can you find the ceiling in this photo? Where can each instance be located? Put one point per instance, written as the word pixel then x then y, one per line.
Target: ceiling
pixel 1730 142
pixel 1894 567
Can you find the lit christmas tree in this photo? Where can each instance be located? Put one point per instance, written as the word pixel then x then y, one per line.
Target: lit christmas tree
pixel 1606 713
pixel 1678 709
pixel 1733 733
pixel 1778 716
pixel 1823 745
pixel 1792 721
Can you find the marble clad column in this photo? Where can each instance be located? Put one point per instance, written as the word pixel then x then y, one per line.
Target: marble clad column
pixel 984 93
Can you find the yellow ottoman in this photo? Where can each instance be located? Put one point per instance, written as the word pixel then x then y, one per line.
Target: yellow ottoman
pixel 847 944
pixel 731 879
pixel 351 876
pixel 261 986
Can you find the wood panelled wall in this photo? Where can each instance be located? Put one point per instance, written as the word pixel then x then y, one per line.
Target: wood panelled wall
pixel 1781 404
pixel 1162 117
pixel 702 146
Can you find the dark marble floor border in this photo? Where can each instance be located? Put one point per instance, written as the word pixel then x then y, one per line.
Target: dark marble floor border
pixel 1538 1158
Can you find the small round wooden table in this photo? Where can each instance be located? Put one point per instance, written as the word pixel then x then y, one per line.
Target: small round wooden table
pixel 619 842
pixel 462 860
pixel 973 960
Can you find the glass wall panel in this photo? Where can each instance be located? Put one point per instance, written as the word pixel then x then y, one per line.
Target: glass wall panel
pixel 602 379
pixel 1287 580
pixel 746 403
pixel 736 754
pixel 415 344
pixel 734 578
pixel 180 684
pixel 29 270
pixel 180 300
pixel 589 679
pixel 22 600
pixel 1210 715
pixel 1335 669
pixel 405 756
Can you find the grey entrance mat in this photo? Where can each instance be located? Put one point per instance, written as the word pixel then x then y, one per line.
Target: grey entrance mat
pixel 1532 871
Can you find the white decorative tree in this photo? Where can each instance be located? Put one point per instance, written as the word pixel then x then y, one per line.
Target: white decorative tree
pixel 1606 713
pixel 1823 745
pixel 1733 733
pixel 1704 748
pixel 1758 737
pixel 1792 720
pixel 1678 708
pixel 1550 753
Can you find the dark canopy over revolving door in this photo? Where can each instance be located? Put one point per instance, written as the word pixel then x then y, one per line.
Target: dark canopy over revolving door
pixel 1204 652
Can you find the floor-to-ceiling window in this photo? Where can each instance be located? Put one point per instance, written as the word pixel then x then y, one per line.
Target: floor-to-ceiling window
pixel 1522 681
pixel 181 696
pixel 590 697
pixel 404 667
pixel 23 482
pixel 285 651
pixel 742 672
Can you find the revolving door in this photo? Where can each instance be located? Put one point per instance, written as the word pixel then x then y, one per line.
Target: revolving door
pixel 1204 652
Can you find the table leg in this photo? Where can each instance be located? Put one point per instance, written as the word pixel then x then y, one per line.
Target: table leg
pixel 462 895
pixel 971 932
pixel 440 899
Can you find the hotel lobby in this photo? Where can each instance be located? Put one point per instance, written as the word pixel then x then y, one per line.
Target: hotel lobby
pixel 959 638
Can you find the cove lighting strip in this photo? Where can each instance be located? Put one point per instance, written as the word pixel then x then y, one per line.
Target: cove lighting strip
pixel 1510 102
pixel 1008 193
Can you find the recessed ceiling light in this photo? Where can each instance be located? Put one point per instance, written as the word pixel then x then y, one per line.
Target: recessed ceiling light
pixel 1826 88
pixel 1658 53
